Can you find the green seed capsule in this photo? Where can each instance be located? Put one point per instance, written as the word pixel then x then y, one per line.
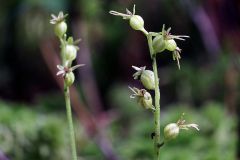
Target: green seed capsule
pixel 136 22
pixel 159 44
pixel 70 52
pixel 171 45
pixel 147 79
pixel 69 78
pixel 147 100
pixel 171 131
pixel 60 29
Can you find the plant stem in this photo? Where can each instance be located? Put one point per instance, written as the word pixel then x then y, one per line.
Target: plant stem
pixel 70 121
pixel 62 46
pixel 157 111
pixel 68 106
pixel 157 100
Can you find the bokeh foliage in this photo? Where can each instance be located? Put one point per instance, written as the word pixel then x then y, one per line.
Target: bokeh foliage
pixel 28 134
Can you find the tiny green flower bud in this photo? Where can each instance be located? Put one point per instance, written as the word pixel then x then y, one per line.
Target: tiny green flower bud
pixel 69 78
pixel 159 44
pixel 171 45
pixel 60 28
pixel 70 52
pixel 171 131
pixel 136 22
pixel 147 79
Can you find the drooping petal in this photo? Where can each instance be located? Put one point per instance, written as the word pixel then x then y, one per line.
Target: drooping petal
pixel 62 72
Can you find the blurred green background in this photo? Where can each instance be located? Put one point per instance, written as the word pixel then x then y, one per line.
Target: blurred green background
pixel 109 125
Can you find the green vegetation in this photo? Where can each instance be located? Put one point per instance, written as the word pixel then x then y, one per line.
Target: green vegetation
pixel 28 134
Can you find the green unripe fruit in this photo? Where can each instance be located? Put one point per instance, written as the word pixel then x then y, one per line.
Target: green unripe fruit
pixel 136 22
pixel 159 44
pixel 60 28
pixel 70 52
pixel 171 131
pixel 69 78
pixel 147 100
pixel 171 45
pixel 147 79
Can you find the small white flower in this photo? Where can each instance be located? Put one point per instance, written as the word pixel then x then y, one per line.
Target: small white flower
pixel 64 70
pixel 59 18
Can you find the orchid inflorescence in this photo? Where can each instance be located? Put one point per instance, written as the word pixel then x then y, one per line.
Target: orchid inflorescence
pixel 163 40
pixel 157 43
pixel 69 48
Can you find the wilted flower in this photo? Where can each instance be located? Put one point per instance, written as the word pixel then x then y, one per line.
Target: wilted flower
pixel 176 56
pixel 143 97
pixel 172 130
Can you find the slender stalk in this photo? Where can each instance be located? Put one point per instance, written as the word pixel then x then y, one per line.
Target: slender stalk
pixel 70 122
pixel 60 28
pixel 68 108
pixel 157 109
pixel 62 51
pixel 157 100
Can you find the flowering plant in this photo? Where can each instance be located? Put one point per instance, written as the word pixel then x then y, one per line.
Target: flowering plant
pixel 157 43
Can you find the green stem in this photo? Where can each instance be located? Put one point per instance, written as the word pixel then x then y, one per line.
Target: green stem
pixel 70 122
pixel 62 46
pixel 68 106
pixel 157 100
pixel 157 111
